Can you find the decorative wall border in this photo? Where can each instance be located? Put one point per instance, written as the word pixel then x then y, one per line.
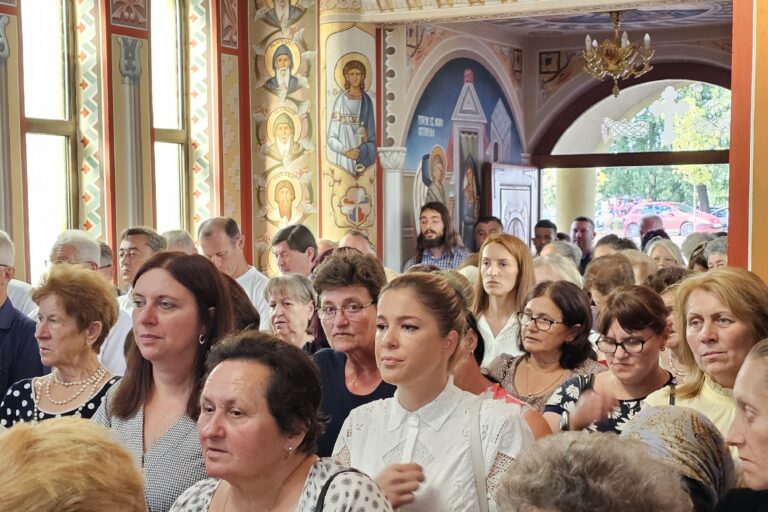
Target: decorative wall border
pixel 89 126
pixel 199 122
pixel 130 13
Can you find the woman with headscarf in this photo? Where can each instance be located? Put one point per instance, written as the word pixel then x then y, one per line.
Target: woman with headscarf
pixel 687 440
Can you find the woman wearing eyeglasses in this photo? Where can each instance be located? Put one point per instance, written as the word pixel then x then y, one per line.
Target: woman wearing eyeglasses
pixel 554 338
pixel 632 322
pixel 348 284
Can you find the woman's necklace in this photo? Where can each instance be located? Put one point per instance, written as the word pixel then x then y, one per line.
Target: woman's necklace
pixel 557 380
pixel 678 373
pixel 91 381
pixel 271 507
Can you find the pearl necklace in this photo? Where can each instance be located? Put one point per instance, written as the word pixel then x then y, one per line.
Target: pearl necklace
pixel 92 380
pixel 678 373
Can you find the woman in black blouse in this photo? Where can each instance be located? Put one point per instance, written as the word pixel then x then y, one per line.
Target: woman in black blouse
pixel 632 322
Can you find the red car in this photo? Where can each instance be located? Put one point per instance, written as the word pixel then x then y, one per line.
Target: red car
pixel 678 218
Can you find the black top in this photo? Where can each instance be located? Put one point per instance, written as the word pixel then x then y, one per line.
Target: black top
pixel 338 401
pixel 567 395
pixel 743 500
pixel 18 404
pixel 19 355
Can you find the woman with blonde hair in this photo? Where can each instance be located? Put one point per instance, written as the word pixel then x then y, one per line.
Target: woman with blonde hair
pixel 291 302
pixel 425 443
pixel 665 253
pixel 506 275
pixel 721 314
pixel 77 308
pixel 67 465
pixel 554 267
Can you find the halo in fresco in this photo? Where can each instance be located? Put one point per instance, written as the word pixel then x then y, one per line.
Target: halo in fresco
pixel 297 127
pixel 295 55
pixel 283 179
pixel 271 3
pixel 339 70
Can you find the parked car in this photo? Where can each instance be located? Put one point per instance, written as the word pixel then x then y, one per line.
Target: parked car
pixel 678 218
pixel 722 214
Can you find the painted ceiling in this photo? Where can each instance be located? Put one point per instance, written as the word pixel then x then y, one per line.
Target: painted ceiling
pixel 678 15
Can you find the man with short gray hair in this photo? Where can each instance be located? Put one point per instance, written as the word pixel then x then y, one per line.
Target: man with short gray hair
pixel 19 292
pixel 180 240
pixel 19 355
pixel 221 242
pixel 567 249
pixel 76 247
pixel 137 245
pixel 359 240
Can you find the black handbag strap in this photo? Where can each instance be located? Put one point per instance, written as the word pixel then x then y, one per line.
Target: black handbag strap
pixel 327 486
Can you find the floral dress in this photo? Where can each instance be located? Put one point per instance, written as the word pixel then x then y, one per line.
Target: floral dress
pixel 565 397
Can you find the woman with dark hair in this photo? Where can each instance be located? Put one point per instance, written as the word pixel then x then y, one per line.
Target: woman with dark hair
pixel 554 339
pixel 466 373
pixel 347 285
pixel 244 313
pixel 258 426
pixel 632 321
pixel 425 443
pixel 182 309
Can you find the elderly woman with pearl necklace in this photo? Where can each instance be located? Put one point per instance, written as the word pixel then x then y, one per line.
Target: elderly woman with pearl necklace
pixel 77 308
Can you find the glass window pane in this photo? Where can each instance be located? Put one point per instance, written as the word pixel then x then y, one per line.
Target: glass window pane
pixel 45 59
pixel 169 163
pixel 166 65
pixel 665 115
pixel 688 198
pixel 47 195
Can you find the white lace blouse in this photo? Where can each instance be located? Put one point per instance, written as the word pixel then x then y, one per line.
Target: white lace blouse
pixel 437 437
pixel 505 343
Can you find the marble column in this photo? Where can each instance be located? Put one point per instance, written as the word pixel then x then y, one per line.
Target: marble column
pixel 392 159
pixel 130 73
pixel 6 196
pixel 575 195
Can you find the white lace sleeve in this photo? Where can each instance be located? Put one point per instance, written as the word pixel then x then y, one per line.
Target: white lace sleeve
pixel 341 451
pixel 504 434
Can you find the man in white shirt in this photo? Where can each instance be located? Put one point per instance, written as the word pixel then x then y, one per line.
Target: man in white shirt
pixel 221 242
pixel 78 248
pixel 137 245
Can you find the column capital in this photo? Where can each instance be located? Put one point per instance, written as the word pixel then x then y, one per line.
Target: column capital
pixel 392 158
pixel 4 49
pixel 130 59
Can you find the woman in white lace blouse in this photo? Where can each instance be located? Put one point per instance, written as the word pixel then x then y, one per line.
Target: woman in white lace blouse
pixel 428 446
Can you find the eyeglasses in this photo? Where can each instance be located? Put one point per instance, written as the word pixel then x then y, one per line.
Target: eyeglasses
pixel 350 310
pixel 630 345
pixel 542 323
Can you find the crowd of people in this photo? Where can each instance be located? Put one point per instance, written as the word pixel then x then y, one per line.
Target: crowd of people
pixel 543 374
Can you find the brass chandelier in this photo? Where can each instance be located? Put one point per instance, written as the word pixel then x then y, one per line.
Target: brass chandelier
pixel 617 58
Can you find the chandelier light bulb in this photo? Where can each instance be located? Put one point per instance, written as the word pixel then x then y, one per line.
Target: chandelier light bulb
pixel 617 58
